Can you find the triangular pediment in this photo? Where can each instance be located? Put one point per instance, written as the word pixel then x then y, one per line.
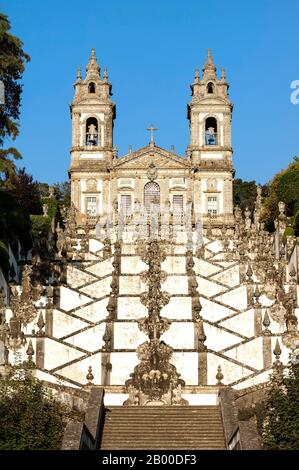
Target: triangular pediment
pixel 143 157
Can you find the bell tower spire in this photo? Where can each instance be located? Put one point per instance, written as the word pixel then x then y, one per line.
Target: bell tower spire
pixel 93 113
pixel 209 114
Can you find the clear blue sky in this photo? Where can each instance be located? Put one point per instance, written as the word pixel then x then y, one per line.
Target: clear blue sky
pixel 151 49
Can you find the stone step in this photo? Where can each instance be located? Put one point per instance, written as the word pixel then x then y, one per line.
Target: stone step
pixel 165 427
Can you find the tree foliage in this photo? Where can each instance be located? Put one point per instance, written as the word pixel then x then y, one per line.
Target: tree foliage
pixel 15 223
pixel 25 191
pixel 244 193
pixel 283 187
pixel 281 420
pixel 12 65
pixel 31 419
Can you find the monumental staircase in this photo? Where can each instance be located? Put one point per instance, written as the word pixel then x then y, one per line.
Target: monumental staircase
pixel 163 428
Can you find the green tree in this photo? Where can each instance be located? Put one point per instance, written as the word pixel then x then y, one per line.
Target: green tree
pixel 15 223
pixel 281 418
pixel 63 193
pixel 31 419
pixel 244 193
pixel 12 64
pixel 25 191
pixel 283 187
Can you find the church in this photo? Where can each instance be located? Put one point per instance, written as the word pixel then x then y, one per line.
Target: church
pixel 203 177
pixel 163 298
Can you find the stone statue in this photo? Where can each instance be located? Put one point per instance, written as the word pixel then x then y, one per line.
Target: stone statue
pixel 60 240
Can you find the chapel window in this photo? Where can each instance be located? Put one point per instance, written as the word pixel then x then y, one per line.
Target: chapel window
pixel 91 205
pixel 126 204
pixel 178 204
pixel 211 131
pixel 212 205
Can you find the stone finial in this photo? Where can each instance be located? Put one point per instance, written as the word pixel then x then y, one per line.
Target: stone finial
pixel 105 75
pixel 92 66
pixel 196 76
pixel 30 351
pixel 292 273
pixel 201 337
pixel 249 273
pixel 89 376
pixel 266 323
pixel 79 74
pixel 223 76
pixel 257 295
pixel 209 68
pixel 219 376
pixel 277 353
pixel 40 324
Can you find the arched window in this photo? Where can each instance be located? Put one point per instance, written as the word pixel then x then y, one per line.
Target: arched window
pixel 91 87
pixel 151 195
pixel 210 87
pixel 92 131
pixel 211 131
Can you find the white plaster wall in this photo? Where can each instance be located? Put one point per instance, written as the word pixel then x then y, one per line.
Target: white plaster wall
pixel 176 285
pixel 127 335
pixel 99 289
pixel 90 339
pixel 95 245
pixel 208 288
pixel 102 268
pixel 178 308
pixel 174 265
pixel 180 335
pixel 94 312
pixel 204 268
pixel 131 285
pixel 212 311
pixel 64 324
pixel 236 298
pixel 230 277
pixel 132 265
pixel 201 399
pixel 79 370
pixel 242 323
pixel 250 353
pixel 218 339
pixel 130 308
pixel 77 278
pixel 70 299
pixel 187 365
pixel 231 371
pixel 122 366
pixel 57 353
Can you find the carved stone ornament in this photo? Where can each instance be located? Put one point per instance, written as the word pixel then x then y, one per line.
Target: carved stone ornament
pixel 154 380
pixel 152 172
pixel 154 377
pixel 277 313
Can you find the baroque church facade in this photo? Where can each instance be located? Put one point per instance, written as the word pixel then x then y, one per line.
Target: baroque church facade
pixel 203 178
pixel 159 289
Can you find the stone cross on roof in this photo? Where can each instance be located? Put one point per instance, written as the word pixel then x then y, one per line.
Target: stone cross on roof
pixel 152 129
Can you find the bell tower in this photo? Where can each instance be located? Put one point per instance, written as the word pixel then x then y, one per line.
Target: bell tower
pixel 93 113
pixel 210 149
